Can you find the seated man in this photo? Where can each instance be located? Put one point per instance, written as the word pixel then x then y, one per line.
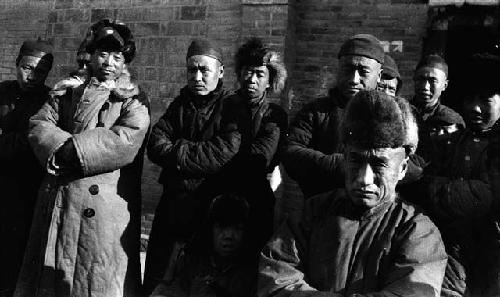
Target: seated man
pixel 216 262
pixel 363 240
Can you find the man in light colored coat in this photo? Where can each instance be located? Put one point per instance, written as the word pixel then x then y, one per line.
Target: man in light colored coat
pixel 89 137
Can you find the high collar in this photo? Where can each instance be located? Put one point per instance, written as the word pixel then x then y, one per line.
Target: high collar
pixel 337 98
pixel 252 103
pixel 357 212
pixel 202 100
pixel 425 113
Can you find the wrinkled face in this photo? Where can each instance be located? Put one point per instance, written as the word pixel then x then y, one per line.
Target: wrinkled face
pixel 203 74
pixel 227 240
pixel 482 110
pixel 430 82
pixel 357 73
pixel 107 65
pixel 32 72
pixel 254 81
pixel 372 174
pixel 388 86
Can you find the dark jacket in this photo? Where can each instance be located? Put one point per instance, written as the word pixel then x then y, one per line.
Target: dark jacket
pixel 20 175
pixel 460 199
pixel 338 250
pixel 262 127
pixel 430 122
pixel 189 144
pixel 313 154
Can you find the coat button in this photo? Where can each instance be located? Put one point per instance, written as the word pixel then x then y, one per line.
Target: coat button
pixel 94 189
pixel 89 212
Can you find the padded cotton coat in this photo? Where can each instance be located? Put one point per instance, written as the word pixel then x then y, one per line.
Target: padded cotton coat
pixel 84 239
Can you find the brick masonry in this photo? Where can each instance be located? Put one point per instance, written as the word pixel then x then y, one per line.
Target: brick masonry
pixel 307 32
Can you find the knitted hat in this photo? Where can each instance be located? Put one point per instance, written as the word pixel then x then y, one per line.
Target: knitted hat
pixel 373 119
pixel 204 47
pixel 365 45
pixel 255 53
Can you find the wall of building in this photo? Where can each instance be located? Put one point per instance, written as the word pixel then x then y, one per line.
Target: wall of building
pixel 307 32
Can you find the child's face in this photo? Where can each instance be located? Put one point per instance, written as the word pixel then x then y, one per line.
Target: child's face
pixel 482 110
pixel 227 240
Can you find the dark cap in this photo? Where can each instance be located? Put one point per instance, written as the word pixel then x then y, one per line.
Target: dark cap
pixel 365 45
pixel 36 48
pixel 390 70
pixel 229 209
pixel 373 119
pixel 204 47
pixel 433 61
pixel 108 38
pixel 481 74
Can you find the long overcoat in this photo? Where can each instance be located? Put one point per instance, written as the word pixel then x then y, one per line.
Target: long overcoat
pixel 84 239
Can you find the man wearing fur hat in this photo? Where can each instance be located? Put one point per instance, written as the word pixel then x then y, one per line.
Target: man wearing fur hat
pixel 459 195
pixel 190 145
pixel 89 138
pixel 390 82
pixel 313 153
pixel 363 240
pixel 262 126
pixel 20 172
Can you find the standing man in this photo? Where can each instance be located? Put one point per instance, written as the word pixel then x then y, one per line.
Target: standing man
pixel 262 126
pixel 89 138
pixel 390 81
pixel 363 240
pixel 189 145
pixel 433 118
pixel 313 152
pixel 20 172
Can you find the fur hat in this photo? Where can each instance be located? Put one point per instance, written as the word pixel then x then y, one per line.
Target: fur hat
pixel 255 53
pixel 373 119
pixel 107 34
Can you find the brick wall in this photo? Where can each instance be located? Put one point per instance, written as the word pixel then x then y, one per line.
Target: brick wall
pixel 308 32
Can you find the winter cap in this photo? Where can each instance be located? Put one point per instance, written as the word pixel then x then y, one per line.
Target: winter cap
pixel 373 119
pixel 107 35
pixel 255 53
pixel 433 61
pixel 365 45
pixel 36 48
pixel 481 74
pixel 390 70
pixel 204 47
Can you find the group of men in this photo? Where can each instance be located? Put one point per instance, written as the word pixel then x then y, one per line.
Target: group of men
pixel 400 195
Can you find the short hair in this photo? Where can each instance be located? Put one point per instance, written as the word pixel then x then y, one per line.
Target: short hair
pixel 255 53
pixel 434 61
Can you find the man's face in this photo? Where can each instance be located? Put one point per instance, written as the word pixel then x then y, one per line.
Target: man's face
pixel 254 81
pixel 430 82
pixel 388 86
pixel 31 72
pixel 107 65
pixel 482 110
pixel 372 174
pixel 357 73
pixel 227 240
pixel 203 74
